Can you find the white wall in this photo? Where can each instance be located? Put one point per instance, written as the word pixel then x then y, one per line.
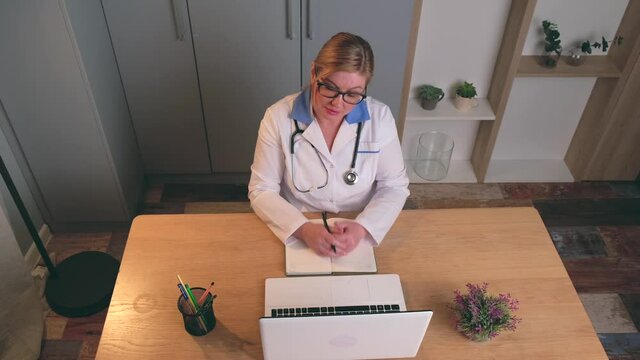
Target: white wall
pixel 541 116
pixel 458 40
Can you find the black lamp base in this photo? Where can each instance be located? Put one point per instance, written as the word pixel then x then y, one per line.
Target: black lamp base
pixel 83 285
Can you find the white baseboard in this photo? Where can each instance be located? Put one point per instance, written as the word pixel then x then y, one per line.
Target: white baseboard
pixel 32 258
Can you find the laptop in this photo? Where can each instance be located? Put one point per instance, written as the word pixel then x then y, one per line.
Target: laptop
pixel 340 317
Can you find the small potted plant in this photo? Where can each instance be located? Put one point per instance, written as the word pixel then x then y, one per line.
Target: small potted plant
pixel 465 97
pixel 552 47
pixel 482 317
pixel 429 96
pixel 577 55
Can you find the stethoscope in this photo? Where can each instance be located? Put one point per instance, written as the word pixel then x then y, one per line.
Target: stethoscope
pixel 350 177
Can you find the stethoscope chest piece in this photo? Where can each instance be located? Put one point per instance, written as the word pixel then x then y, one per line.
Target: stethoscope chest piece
pixel 350 177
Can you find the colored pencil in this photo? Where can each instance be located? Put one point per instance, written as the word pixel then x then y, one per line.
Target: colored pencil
pixel 194 306
pixel 204 296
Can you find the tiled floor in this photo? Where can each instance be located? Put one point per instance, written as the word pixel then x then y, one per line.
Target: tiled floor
pixel 594 225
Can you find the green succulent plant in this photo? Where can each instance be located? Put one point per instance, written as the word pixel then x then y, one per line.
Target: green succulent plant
pixel 551 37
pixel 430 92
pixel 588 46
pixel 466 90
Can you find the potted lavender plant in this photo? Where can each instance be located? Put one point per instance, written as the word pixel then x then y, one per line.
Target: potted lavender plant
pixel 480 316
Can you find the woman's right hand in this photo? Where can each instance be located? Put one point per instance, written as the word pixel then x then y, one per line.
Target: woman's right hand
pixel 317 238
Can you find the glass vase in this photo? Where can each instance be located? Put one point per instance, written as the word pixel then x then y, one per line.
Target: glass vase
pixel 576 57
pixel 550 59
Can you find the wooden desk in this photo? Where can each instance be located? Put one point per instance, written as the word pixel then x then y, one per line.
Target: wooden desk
pixel 433 251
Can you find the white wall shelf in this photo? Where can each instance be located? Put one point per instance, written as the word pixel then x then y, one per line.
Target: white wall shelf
pixel 460 171
pixel 544 121
pixel 536 170
pixel 447 111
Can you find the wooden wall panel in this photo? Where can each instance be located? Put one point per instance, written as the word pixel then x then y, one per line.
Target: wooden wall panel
pixel 618 154
pixel 413 40
pixel 504 72
pixel 605 144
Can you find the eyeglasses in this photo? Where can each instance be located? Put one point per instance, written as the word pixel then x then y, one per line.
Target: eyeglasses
pixel 331 92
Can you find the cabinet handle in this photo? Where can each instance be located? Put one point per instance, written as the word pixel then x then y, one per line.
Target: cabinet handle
pixel 289 20
pixel 309 27
pixel 178 19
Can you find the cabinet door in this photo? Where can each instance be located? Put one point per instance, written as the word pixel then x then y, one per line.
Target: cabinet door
pixel 46 97
pixel 384 24
pixel 248 55
pixel 158 71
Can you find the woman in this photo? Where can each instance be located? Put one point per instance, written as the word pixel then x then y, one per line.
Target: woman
pixel 330 148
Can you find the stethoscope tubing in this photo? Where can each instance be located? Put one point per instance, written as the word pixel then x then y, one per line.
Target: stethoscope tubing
pixel 350 177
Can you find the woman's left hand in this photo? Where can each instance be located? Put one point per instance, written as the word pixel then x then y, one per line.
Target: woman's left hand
pixel 348 234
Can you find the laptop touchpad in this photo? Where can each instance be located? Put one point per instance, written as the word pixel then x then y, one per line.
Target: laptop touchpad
pixel 350 290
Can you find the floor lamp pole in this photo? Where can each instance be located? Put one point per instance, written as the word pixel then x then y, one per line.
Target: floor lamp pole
pixel 26 218
pixel 81 284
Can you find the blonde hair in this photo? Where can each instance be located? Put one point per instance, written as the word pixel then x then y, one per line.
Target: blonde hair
pixel 345 52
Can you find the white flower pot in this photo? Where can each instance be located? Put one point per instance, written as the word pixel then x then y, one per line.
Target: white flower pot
pixel 464 104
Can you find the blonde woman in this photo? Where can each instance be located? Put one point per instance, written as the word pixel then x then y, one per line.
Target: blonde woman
pixel 330 148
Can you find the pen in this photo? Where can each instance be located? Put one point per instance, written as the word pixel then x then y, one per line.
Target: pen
pixel 186 292
pixel 326 225
pixel 183 291
pixel 181 282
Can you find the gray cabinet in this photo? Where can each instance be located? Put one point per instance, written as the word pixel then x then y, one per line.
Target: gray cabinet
pixel 62 97
pixel 246 62
pixel 247 55
pixel 152 42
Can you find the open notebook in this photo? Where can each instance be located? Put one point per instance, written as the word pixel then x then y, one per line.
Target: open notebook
pixel 301 260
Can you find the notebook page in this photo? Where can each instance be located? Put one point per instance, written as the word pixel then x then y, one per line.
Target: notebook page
pixel 301 260
pixel 360 260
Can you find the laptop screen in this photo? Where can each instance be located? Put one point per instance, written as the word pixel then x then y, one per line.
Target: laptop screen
pixel 333 291
pixel 360 336
pixel 340 317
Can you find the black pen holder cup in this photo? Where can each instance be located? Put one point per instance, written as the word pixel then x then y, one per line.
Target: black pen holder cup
pixel 197 324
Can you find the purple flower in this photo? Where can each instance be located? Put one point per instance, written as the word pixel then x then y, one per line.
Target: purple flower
pixel 481 316
pixel 495 313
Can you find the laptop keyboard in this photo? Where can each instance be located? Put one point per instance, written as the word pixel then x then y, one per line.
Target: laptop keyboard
pixel 335 310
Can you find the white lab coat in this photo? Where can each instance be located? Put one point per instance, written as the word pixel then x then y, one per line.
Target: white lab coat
pixel 379 194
